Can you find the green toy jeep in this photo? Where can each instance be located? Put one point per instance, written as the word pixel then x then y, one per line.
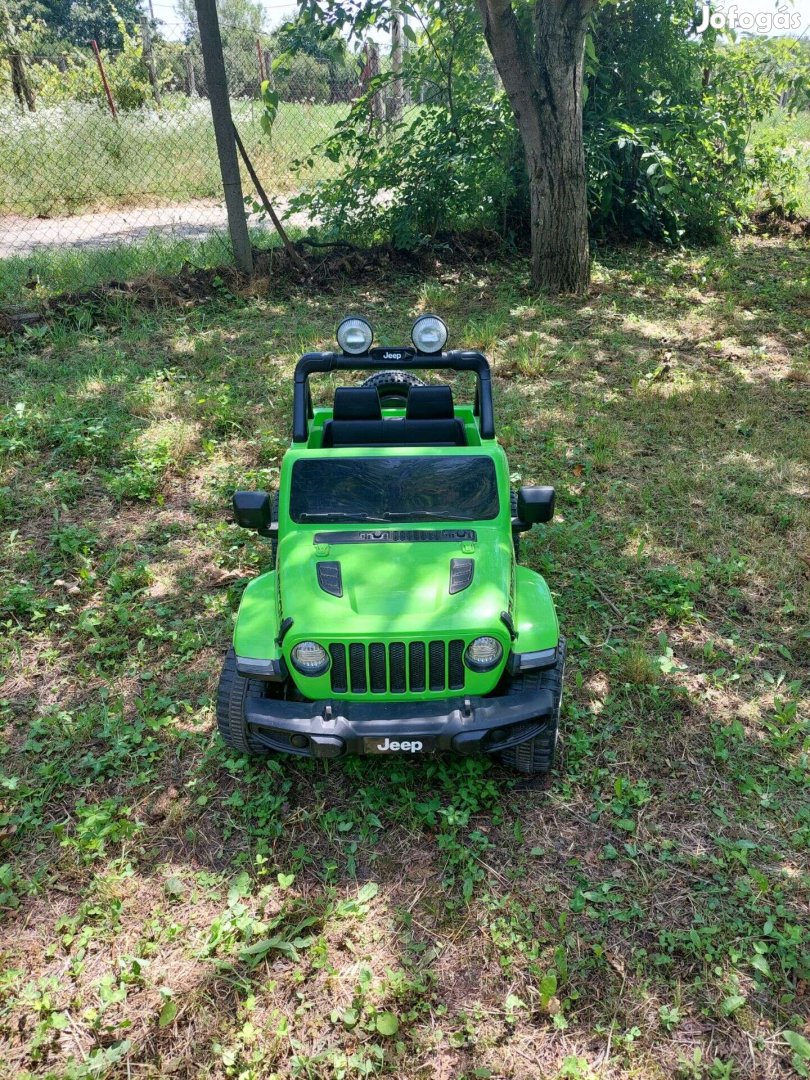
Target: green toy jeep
pixel 396 618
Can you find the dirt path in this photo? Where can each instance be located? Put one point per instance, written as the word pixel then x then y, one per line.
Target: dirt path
pixel 109 228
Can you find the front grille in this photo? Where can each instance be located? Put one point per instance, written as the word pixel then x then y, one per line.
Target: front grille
pixel 398 668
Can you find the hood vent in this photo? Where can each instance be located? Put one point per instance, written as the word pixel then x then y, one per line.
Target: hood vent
pixel 461 574
pixel 330 578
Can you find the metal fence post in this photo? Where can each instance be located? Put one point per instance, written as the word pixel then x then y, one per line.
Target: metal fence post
pixel 217 84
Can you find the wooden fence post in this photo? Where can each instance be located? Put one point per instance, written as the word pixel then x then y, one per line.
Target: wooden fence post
pixel 103 75
pixel 260 55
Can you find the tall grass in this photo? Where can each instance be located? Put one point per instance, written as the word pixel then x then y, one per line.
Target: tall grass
pixel 68 269
pixel 75 158
pixel 794 130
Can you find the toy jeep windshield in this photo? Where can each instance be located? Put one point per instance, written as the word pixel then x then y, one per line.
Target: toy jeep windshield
pixel 396 618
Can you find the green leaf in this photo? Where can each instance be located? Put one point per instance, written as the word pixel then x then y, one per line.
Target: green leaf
pixel 239 888
pixel 759 962
pixel 731 1004
pixel 798 1044
pixel 174 888
pixel 167 1013
pixel 627 824
pixel 548 988
pixel 285 880
pixel 368 892
pixel 252 954
pixel 387 1024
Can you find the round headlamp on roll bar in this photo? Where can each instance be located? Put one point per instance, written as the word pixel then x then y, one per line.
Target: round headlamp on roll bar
pixel 429 334
pixel 355 335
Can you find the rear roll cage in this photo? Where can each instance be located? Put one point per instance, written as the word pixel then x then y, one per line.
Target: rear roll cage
pixel 456 360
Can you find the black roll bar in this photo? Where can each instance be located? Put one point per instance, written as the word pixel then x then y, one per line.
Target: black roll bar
pixel 380 359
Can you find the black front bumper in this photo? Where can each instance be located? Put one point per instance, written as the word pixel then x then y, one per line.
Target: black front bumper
pixel 330 729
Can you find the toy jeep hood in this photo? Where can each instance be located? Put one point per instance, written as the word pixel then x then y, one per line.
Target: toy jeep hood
pixel 397 580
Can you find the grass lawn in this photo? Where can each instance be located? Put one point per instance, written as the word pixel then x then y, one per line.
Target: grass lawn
pixel 794 131
pixel 75 158
pixel 173 909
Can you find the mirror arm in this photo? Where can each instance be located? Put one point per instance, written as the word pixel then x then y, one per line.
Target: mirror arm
pixel 521 526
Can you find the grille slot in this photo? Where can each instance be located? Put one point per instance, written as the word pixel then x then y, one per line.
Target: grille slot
pixel 376 667
pixel 456 665
pixel 396 667
pixel 417 665
pixel 339 684
pixel 436 659
pixel 357 667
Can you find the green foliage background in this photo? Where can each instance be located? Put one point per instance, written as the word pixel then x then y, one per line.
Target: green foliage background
pixel 668 123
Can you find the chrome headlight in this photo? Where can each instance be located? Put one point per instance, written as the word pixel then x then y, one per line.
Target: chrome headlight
pixel 309 658
pixel 355 335
pixel 429 334
pixel 483 654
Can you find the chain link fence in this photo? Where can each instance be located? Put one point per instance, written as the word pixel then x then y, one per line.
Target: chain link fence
pixel 111 148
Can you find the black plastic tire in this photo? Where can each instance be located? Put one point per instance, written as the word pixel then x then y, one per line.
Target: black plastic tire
pixel 232 694
pixel 392 386
pixel 537 755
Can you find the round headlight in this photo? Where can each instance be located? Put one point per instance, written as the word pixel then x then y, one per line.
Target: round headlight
pixel 354 335
pixel 429 334
pixel 483 654
pixel 310 658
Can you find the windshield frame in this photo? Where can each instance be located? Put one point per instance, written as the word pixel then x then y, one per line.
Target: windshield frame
pixel 477 494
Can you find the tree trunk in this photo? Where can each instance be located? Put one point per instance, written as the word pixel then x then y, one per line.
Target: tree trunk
pixel 543 81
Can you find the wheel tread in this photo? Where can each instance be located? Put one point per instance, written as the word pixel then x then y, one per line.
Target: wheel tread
pixel 537 755
pixel 232 693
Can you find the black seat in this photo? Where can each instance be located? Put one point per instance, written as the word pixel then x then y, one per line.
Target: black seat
pixel 356 403
pixel 429 419
pixel 353 405
pixel 429 403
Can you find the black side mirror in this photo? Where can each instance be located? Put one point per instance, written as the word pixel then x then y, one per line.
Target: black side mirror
pixel 252 510
pixel 535 504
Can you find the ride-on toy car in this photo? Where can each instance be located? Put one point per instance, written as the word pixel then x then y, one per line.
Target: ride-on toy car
pixel 396 618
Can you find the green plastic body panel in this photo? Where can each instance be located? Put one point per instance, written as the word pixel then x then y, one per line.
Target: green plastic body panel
pixel 535 617
pixel 395 592
pixel 257 623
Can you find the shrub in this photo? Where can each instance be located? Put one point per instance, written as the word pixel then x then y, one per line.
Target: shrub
pixel 667 121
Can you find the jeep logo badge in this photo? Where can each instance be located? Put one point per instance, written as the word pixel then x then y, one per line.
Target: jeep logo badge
pixel 392 355
pixel 412 746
